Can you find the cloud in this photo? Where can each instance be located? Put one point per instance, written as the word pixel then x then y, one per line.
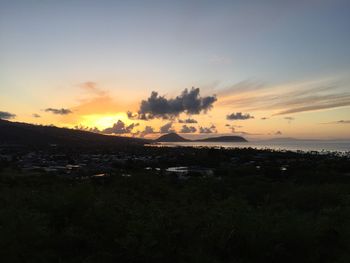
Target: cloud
pixel 188 102
pixel 59 111
pixel 289 119
pixel 146 131
pixel 132 116
pixel 7 115
pixel 338 122
pixel 290 98
pixel 233 126
pixel 233 130
pixel 188 129
pixel 326 103
pixel 91 87
pixel 278 133
pixel 211 129
pixel 35 115
pixel 264 118
pixel 241 87
pixel 167 128
pixel 239 116
pixel 220 60
pixel 189 120
pixel 120 128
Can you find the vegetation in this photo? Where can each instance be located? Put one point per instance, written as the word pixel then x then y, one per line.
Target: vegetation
pixel 239 215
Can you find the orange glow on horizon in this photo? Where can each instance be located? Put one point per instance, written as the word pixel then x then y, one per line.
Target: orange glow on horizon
pixel 102 121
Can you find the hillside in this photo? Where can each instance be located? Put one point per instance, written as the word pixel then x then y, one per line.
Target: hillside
pixel 36 135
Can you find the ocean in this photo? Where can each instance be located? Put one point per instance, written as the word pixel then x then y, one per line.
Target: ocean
pixel 304 145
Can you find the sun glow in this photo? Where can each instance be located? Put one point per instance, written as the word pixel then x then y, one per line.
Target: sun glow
pixel 102 121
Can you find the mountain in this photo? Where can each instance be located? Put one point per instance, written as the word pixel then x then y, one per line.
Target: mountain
pixel 24 134
pixel 223 139
pixel 171 137
pixel 174 137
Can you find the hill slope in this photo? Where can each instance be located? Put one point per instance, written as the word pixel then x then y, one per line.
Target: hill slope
pixel 36 135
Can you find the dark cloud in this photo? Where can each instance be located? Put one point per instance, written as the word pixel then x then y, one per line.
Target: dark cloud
pixel 264 118
pixel 35 115
pixel 189 120
pixel 211 129
pixel 120 128
pixel 146 131
pixel 7 115
pixel 344 122
pixel 167 128
pixel 59 111
pixel 239 116
pixel 188 102
pixel 278 133
pixel 188 129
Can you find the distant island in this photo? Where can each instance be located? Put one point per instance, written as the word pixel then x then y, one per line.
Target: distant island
pixel 174 137
pixel 171 137
pixel 223 139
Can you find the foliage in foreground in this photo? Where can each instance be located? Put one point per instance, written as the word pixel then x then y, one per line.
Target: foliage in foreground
pixel 236 216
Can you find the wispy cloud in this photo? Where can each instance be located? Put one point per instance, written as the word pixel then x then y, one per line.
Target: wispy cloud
pixel 288 98
pixel 92 87
pixel 220 60
pixel 338 122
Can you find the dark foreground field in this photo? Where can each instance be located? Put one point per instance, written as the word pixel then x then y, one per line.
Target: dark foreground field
pixel 238 215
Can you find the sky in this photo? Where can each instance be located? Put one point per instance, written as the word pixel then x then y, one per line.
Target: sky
pixel 260 69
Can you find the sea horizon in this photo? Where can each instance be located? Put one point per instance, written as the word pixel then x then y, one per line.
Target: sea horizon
pixel 296 145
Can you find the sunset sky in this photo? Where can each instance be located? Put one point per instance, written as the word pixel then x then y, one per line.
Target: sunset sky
pixel 260 69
